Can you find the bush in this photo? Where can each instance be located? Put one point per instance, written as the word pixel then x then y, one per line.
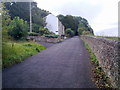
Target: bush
pixel 80 30
pixel 86 33
pixel 35 28
pixel 43 31
pixel 33 34
pixel 18 28
pixel 52 36
pixel 69 32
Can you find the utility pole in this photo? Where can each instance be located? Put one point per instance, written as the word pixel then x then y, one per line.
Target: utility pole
pixel 30 17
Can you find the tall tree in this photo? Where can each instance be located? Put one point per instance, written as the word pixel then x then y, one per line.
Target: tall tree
pixel 69 21
pixel 75 22
pixel 5 21
pixel 22 10
pixel 5 16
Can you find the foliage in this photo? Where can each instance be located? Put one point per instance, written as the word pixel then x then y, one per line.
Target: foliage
pixel 80 30
pixel 22 10
pixel 16 52
pixel 33 34
pixel 52 36
pixel 92 56
pixel 69 21
pixel 5 22
pixel 86 33
pixel 5 16
pixel 69 32
pixel 18 28
pixel 75 23
pixel 43 31
pixel 35 28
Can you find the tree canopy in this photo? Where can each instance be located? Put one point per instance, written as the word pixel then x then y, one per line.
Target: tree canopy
pixel 75 23
pixel 22 10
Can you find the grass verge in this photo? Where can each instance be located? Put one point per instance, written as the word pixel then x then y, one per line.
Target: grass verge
pixel 15 52
pixel 98 75
pixel 113 38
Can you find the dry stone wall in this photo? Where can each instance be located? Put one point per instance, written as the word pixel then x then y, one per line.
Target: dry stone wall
pixel 107 52
pixel 44 39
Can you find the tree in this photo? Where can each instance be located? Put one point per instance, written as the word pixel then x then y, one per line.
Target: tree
pixel 35 28
pixel 69 32
pixel 5 21
pixel 80 30
pixel 5 16
pixel 75 22
pixel 22 10
pixel 69 21
pixel 18 28
pixel 84 31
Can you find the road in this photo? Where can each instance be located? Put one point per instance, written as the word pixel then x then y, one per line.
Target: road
pixel 63 65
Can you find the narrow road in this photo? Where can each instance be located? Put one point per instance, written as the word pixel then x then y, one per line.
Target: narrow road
pixel 63 65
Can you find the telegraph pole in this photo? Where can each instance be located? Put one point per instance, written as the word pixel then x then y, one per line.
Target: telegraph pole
pixel 30 17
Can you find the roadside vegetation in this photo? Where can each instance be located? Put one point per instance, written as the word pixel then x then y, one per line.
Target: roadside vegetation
pixel 108 37
pixel 15 52
pixel 15 30
pixel 98 75
pixel 69 32
pixel 15 47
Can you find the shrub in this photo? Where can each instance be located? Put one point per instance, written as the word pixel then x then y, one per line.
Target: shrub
pixel 86 33
pixel 43 31
pixel 80 30
pixel 33 34
pixel 52 36
pixel 35 28
pixel 69 32
pixel 18 28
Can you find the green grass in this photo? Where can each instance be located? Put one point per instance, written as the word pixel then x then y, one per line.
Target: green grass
pixel 52 36
pixel 92 55
pixel 113 38
pixel 15 52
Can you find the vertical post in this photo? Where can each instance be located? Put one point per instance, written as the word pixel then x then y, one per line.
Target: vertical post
pixel 1 8
pixel 30 18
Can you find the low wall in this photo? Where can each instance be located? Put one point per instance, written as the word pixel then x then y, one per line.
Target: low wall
pixel 106 51
pixel 44 39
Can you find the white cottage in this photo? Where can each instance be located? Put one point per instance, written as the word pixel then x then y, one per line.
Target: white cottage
pixel 54 25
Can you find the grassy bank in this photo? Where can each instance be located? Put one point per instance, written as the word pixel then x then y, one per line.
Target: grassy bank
pixel 113 38
pixel 98 75
pixel 15 52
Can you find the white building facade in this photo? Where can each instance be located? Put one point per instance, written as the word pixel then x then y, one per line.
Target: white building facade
pixel 54 25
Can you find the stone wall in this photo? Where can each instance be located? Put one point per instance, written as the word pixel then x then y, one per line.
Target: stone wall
pixel 108 55
pixel 44 39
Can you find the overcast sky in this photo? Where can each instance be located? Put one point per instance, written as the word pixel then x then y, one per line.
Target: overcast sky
pixel 102 15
